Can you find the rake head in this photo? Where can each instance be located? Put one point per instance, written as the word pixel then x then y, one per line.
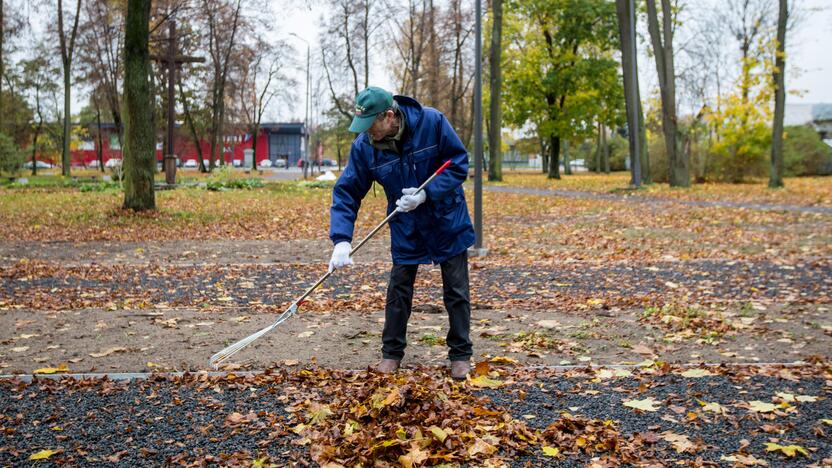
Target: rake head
pixel 224 354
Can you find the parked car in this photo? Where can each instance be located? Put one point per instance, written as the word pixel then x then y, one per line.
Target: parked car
pixel 265 163
pixel 112 162
pixel 237 162
pixel 280 163
pixel 330 162
pixel 39 164
pixel 190 163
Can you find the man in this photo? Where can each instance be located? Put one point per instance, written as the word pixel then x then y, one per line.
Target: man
pixel 400 144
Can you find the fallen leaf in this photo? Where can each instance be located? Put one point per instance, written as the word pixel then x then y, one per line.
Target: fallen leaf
pixel 503 360
pixel 788 450
pixel 481 446
pixel 438 433
pixel 648 404
pixel 551 451
pixel 697 373
pixel 20 349
pixel 806 398
pixel 306 334
pixel 42 455
pixel 414 457
pixel 761 406
pixel 483 381
pixel 641 349
pixel 746 460
pixel 109 351
pixel 680 442
pixel 51 370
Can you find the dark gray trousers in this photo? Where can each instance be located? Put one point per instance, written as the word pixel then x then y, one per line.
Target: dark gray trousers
pixel 455 289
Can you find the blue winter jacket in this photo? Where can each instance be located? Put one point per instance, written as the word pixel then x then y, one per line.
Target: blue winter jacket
pixel 438 229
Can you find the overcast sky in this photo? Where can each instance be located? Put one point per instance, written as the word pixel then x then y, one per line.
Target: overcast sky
pixel 809 64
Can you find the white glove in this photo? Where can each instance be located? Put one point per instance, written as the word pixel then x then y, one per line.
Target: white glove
pixel 340 256
pixel 410 200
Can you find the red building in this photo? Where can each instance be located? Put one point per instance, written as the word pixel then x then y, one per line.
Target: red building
pixel 276 140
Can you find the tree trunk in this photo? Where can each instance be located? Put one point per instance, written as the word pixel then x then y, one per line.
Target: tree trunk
pixel 100 138
pixel 554 162
pixel 66 60
pixel 598 151
pixel 2 63
pixel 544 155
pixel 646 175
pixel 567 169
pixel 139 135
pixel 606 149
pixel 663 51
pixel 495 166
pixel 776 172
pixel 632 100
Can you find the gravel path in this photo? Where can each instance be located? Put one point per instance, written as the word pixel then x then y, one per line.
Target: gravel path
pixel 236 420
pixel 656 201
pixel 529 286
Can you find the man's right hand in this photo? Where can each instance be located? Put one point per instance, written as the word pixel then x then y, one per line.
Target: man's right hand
pixel 340 256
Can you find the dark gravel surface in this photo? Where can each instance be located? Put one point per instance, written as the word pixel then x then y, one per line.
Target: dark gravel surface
pixel 142 423
pixel 149 423
pixel 721 435
pixel 533 286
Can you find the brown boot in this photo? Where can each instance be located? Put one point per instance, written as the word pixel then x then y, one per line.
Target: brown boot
pixel 460 369
pixel 387 366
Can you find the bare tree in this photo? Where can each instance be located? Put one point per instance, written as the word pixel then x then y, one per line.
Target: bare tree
pixel 38 82
pixel 260 81
pixel 223 22
pixel 346 42
pixel 100 56
pixel 67 46
pixel 662 39
pixel 632 95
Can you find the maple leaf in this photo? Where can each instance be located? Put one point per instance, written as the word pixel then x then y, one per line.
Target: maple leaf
pixel 788 450
pixel 680 443
pixel 647 404
pixel 713 407
pixel 318 413
pixel 483 381
pixel 761 406
pixel 503 360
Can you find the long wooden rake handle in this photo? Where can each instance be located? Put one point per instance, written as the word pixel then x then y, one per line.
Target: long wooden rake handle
pixel 234 348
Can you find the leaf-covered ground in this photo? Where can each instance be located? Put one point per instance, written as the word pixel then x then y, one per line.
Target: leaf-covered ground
pixel 583 274
pixel 652 415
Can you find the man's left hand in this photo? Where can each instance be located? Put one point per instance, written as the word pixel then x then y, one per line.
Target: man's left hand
pixel 410 199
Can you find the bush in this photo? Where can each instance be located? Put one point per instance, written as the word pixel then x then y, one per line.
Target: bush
pixel 224 179
pixel 11 156
pixel 657 153
pixel 804 153
pixel 619 152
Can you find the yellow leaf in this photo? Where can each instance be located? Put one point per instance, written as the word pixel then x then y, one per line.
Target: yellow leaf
pixel 713 407
pixel 51 370
pixel 401 434
pixel 827 421
pixel 761 406
pixel 680 443
pixel 42 455
pixel 551 451
pixel 648 404
pixel 788 450
pixel 785 396
pixel 483 381
pixel 697 373
pixel 438 433
pixel 503 360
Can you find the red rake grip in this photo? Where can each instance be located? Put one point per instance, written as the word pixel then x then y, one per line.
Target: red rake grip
pixel 444 166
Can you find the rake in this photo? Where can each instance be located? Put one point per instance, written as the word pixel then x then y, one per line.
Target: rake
pixel 222 356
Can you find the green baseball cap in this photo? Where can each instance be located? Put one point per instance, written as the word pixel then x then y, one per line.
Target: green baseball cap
pixel 368 104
